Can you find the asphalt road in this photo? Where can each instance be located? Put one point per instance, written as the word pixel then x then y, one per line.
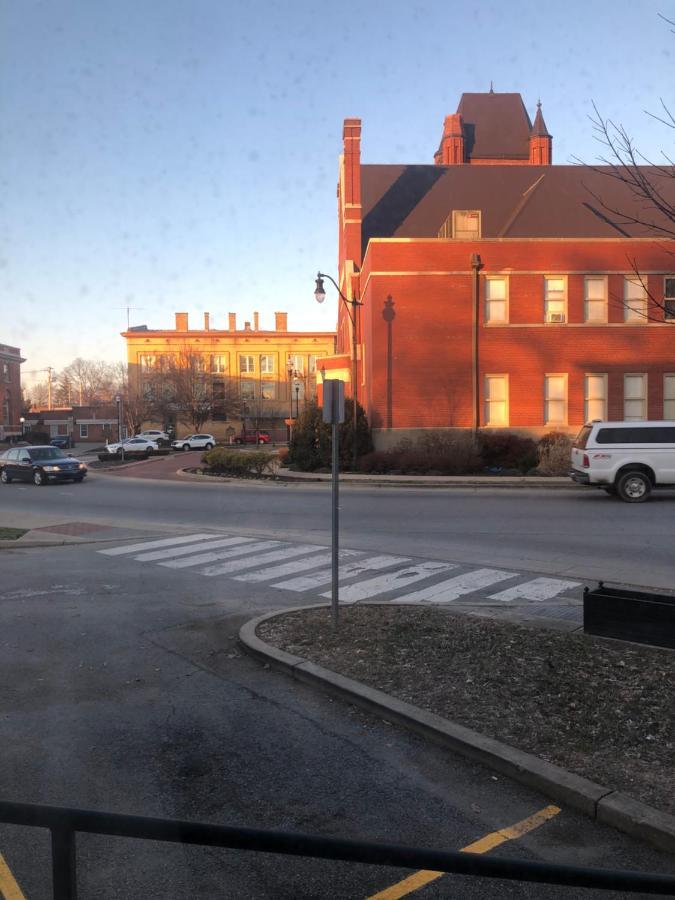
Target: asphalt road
pixel 123 689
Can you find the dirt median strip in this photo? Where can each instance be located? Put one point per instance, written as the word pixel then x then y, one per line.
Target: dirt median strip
pixel 383 660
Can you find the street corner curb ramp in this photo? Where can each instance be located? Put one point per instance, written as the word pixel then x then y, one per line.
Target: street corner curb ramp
pixel 600 803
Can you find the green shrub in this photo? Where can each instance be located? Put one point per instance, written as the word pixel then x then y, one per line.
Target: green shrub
pixel 434 452
pixel 504 450
pixel 554 451
pixel 310 447
pixel 240 463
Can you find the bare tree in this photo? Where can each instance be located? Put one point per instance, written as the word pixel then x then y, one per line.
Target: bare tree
pixel 646 206
pixel 182 387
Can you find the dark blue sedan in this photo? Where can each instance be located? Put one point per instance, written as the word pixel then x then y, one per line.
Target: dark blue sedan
pixel 40 465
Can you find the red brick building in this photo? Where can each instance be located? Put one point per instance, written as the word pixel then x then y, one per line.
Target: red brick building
pixel 10 391
pixel 499 290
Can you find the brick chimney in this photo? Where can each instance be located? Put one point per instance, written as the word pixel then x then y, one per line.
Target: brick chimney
pixel 232 321
pixel 451 150
pixel 206 321
pixel 247 326
pixel 256 322
pixel 181 321
pixel 280 321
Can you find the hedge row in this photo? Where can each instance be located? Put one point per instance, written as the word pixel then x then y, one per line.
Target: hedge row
pixel 241 463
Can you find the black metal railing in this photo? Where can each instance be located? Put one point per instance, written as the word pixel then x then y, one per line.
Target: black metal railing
pixel 64 823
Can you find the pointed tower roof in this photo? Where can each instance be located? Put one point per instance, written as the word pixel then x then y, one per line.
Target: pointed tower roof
pixel 539 128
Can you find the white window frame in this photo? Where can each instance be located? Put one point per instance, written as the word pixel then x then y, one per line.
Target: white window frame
pixel 465 236
pixel 631 314
pixel 549 317
pixel 247 389
pixel 547 400
pixel 248 367
pixel 219 363
pixel 297 362
pixel 84 431
pixel 669 396
pixel 588 301
pixel 644 399
pixel 488 318
pixel 268 390
pixel 267 364
pixel 487 401
pixel 668 297
pixel 588 416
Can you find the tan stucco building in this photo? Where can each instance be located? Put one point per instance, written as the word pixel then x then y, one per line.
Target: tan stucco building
pixel 272 371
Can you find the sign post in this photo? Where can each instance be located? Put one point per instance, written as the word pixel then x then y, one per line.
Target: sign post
pixel 334 414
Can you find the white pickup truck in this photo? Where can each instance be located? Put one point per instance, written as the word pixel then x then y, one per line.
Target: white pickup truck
pixel 625 458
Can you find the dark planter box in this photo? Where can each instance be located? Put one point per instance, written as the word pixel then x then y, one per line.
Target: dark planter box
pixel 630 615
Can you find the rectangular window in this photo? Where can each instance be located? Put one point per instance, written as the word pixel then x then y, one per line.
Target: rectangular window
pixel 669 297
pixel 595 299
pixel 466 224
pixel 84 431
pixel 5 412
pixel 669 396
pixel 634 300
pixel 5 372
pixel 297 363
pixel 496 310
pixel 555 399
pixel 247 389
pixel 311 368
pixel 595 397
pixel 496 400
pixel 555 299
pixel 634 398
pixel 218 364
pixel 267 364
pixel 268 390
pixel 246 364
pixel 147 361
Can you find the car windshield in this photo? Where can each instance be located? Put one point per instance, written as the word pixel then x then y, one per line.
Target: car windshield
pixel 39 453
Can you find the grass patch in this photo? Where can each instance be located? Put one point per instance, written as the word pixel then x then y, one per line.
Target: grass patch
pixel 11 534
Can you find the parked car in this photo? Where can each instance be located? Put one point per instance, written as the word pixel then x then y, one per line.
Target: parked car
pixel 40 465
pixel 194 442
pixel 253 437
pixel 61 440
pixel 625 458
pixel 160 437
pixel 137 445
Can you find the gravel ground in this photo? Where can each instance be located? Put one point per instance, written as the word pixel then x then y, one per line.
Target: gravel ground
pixel 599 708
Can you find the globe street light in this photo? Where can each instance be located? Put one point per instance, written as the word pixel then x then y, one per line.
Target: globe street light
pixel 320 296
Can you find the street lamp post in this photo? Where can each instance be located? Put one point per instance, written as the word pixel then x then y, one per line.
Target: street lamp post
pixel 297 400
pixel 22 422
pixel 118 401
pixel 351 305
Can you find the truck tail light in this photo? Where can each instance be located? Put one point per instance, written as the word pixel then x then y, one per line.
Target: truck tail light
pixel 587 462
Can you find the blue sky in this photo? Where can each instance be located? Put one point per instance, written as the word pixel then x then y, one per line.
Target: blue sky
pixel 182 154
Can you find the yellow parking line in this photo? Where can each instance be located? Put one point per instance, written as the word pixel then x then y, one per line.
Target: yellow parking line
pixel 9 889
pixel 489 842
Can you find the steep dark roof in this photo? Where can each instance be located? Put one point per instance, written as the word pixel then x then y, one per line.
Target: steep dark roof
pixel 515 201
pixel 496 126
pixel 539 128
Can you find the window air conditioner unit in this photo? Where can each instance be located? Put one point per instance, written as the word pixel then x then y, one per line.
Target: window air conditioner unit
pixel 555 317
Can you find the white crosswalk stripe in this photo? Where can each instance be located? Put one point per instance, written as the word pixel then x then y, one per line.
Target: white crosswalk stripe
pixel 238 564
pixel 452 588
pixel 303 568
pixel 149 545
pixel 350 570
pixel 298 565
pixel 201 558
pixel 537 589
pixel 184 551
pixel 372 587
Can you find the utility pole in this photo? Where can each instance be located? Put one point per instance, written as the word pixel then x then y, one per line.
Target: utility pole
pixel 49 386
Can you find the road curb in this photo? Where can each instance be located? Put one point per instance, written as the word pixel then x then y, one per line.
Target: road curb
pixel 594 800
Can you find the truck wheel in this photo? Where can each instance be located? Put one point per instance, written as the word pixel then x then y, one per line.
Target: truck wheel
pixel 634 486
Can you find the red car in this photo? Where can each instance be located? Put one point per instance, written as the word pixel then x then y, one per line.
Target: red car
pixel 253 437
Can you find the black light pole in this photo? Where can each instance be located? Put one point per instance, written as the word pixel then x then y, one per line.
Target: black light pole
pixel 320 296
pixel 297 400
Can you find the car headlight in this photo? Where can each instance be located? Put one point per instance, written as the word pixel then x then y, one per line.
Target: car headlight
pixel 52 468
pixel 81 466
